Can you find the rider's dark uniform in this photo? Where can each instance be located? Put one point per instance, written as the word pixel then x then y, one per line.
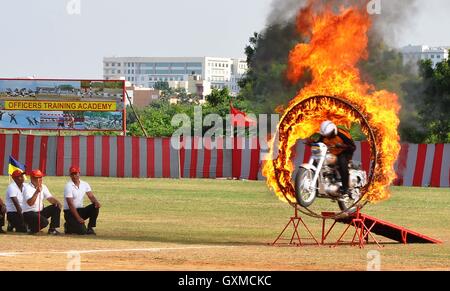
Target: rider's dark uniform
pixel 344 154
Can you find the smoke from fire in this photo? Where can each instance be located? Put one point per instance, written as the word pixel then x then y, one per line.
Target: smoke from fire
pixel 394 18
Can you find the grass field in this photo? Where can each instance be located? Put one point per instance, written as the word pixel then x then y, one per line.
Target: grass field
pixel 221 225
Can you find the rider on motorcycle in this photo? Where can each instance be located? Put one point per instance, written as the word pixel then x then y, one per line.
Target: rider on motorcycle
pixel 341 144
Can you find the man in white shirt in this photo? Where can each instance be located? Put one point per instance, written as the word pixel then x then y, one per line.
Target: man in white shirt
pixel 34 213
pixel 14 202
pixel 74 212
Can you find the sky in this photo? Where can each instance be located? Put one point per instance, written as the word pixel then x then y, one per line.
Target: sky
pixel 50 39
pixel 429 26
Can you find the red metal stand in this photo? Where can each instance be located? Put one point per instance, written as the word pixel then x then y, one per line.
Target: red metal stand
pixel 365 227
pixel 295 221
pixel 362 231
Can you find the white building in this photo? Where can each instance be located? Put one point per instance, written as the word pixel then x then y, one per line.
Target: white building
pixel 413 54
pixel 214 72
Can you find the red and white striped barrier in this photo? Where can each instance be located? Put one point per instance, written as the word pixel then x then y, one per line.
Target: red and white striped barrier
pixel 34 151
pixel 103 156
pixel 108 156
pixel 423 165
pixel 417 165
pixel 239 158
pixel 246 160
pixel 211 160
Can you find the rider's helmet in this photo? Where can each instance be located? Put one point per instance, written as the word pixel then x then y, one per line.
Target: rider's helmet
pixel 328 128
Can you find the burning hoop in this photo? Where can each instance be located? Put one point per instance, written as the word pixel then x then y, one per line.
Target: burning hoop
pixel 315 103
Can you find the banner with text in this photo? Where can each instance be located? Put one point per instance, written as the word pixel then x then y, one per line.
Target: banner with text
pixel 30 104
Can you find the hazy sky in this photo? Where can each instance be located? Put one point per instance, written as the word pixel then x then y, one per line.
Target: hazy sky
pixel 41 38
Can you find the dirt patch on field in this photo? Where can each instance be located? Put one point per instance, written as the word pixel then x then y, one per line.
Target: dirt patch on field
pixel 21 252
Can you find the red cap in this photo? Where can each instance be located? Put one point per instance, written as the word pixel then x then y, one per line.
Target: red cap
pixel 74 169
pixel 36 174
pixel 17 173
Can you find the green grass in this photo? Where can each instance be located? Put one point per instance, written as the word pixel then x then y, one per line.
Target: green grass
pixel 245 213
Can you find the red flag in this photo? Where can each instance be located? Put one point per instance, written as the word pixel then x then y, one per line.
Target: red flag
pixel 239 118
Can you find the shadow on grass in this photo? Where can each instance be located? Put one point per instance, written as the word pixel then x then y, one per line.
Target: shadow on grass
pixel 178 240
pixel 217 241
pixel 264 242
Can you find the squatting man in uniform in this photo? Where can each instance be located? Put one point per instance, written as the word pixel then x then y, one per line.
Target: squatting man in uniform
pixel 14 202
pixel 74 212
pixel 34 213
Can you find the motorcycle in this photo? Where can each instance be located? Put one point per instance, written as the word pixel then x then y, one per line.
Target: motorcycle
pixel 320 179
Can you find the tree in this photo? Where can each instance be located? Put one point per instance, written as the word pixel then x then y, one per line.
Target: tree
pixel 186 98
pixel 218 97
pixel 157 118
pixel 431 96
pixel 265 84
pixel 161 85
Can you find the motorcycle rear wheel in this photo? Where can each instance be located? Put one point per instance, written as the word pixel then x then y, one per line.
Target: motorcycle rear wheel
pixel 348 205
pixel 304 195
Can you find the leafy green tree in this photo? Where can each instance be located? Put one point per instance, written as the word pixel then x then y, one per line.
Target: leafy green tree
pixel 161 85
pixel 218 97
pixel 185 98
pixel 157 117
pixel 265 84
pixel 431 96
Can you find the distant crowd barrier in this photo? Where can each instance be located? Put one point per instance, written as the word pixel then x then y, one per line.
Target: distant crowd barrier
pixel 134 157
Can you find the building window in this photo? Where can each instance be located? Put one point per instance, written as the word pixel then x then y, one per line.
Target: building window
pixel 432 56
pixel 118 71
pixel 438 56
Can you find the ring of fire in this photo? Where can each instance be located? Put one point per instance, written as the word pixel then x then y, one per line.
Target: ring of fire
pixel 344 113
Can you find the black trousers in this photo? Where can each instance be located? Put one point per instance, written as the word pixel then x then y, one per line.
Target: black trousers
pixel 2 218
pixel 88 212
pixel 343 160
pixel 50 212
pixel 17 222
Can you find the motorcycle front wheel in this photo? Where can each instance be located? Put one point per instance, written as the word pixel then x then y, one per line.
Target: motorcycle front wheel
pixel 305 192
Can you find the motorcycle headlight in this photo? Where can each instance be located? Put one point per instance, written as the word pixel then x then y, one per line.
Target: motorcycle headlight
pixel 316 150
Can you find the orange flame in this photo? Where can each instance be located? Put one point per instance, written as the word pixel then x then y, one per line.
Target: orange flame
pixel 338 41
